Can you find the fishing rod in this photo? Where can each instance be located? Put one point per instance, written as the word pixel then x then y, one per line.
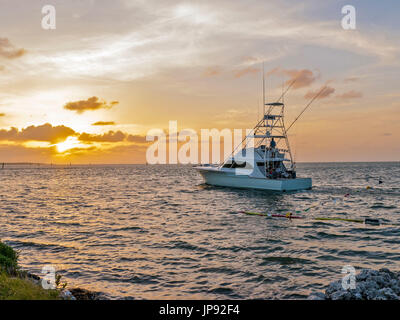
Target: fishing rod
pixel 312 100
pixel 287 89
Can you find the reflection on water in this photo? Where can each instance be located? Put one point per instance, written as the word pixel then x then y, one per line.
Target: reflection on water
pixel 157 232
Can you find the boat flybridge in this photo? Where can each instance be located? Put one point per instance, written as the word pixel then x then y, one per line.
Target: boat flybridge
pixel 264 160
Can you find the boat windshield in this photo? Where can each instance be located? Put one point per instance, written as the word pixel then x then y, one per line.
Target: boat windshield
pixel 234 165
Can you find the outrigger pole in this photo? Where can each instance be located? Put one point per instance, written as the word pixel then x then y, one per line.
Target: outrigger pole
pixel 241 143
pixel 312 100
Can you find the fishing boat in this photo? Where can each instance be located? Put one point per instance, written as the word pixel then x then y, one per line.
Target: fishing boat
pixel 264 159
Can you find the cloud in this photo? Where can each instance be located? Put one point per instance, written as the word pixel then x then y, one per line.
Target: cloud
pixel 92 103
pixel 45 132
pixel 304 77
pixel 350 95
pixel 351 79
pixel 20 153
pixel 110 136
pixel 249 70
pixel 137 138
pixel 324 94
pixel 8 50
pixel 103 123
pixel 212 71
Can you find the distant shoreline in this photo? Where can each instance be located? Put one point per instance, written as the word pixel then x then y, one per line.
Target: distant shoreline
pixel 133 164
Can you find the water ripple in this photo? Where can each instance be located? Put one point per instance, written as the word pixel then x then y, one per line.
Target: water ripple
pixel 157 232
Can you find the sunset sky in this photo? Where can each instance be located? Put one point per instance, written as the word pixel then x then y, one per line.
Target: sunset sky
pixel 89 91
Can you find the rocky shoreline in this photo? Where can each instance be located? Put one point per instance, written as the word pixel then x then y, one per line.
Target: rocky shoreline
pixel 381 284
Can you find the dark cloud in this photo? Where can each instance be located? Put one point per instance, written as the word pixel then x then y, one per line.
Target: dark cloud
pixel 56 134
pixel 45 132
pixel 350 95
pixel 326 93
pixel 20 153
pixel 8 50
pixel 137 138
pixel 103 123
pixel 92 103
pixel 110 136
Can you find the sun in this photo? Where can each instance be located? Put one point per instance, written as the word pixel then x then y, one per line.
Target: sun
pixel 69 143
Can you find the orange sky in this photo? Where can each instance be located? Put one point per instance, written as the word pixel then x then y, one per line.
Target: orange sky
pixel 89 91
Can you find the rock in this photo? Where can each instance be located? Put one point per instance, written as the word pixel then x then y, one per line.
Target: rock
pixel 341 295
pixel 358 296
pixel 370 285
pixel 83 294
pixel 387 294
pixel 371 294
pixel 67 295
pixel 333 287
pixel 316 296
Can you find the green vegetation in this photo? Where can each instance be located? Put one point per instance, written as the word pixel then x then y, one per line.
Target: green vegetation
pixel 8 259
pixel 15 288
pixel 14 285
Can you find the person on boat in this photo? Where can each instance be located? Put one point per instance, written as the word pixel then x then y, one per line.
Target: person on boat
pixel 272 144
pixel 278 172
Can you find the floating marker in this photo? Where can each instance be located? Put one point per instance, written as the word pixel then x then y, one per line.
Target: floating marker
pixel 289 216
pixel 339 219
pixel 374 222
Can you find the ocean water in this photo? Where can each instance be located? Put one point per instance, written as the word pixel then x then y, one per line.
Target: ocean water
pixel 157 232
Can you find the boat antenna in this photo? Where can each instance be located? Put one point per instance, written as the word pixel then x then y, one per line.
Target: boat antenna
pixel 311 101
pixel 263 84
pixel 283 93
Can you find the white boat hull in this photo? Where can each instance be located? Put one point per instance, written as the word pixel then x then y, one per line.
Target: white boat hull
pixel 223 179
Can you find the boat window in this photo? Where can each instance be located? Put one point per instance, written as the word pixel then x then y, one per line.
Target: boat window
pixel 239 165
pixel 234 165
pixel 227 165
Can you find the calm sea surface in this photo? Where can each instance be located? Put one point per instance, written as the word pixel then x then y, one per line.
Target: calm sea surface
pixel 157 232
